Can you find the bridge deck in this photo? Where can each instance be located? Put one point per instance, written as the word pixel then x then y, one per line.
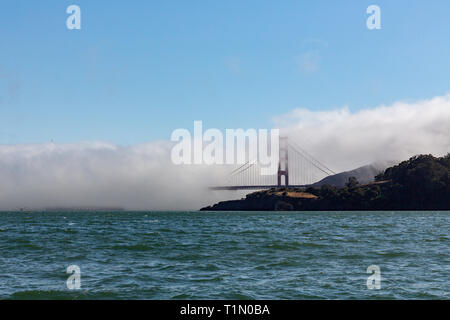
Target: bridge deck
pixel 255 187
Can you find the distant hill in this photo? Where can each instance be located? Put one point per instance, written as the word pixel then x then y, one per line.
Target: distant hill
pixel 420 183
pixel 364 175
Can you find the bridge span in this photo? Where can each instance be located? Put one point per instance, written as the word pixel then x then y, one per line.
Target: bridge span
pixel 296 169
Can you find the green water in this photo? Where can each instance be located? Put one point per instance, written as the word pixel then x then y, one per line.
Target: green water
pixel 205 255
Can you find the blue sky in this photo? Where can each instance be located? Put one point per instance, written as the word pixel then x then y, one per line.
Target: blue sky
pixel 135 72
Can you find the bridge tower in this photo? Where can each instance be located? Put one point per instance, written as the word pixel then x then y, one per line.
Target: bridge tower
pixel 283 167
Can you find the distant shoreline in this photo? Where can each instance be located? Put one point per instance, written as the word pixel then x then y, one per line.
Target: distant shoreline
pixel 68 209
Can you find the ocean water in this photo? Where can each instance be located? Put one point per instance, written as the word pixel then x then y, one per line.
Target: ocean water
pixel 225 255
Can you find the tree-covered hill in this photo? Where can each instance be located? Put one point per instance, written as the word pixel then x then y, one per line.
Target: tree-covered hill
pixel 420 183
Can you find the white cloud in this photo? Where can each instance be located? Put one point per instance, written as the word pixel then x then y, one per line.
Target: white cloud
pixel 102 175
pixel 142 177
pixel 344 140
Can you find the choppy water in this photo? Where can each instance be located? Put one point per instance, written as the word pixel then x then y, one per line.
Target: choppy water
pixel 200 255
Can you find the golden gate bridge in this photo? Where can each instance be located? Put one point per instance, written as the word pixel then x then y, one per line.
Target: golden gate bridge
pixel 296 169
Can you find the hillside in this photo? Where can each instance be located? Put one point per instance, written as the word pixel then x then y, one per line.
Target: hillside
pixel 420 183
pixel 364 175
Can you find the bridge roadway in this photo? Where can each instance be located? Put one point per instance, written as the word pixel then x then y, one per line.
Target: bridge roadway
pixel 256 187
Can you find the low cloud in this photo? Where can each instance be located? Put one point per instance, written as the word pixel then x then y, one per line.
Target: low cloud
pixel 142 177
pixel 344 140
pixel 102 175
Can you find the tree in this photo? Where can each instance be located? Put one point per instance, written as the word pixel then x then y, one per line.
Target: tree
pixel 352 183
